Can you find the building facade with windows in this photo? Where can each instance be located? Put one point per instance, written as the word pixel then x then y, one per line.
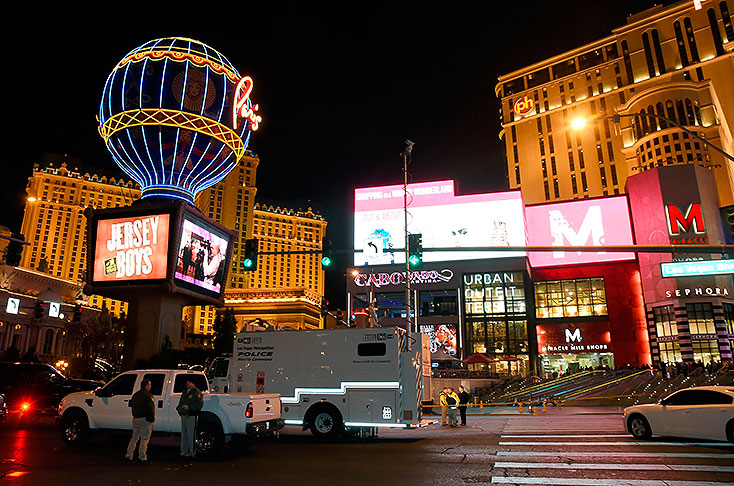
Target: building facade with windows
pixel 674 62
pixel 54 221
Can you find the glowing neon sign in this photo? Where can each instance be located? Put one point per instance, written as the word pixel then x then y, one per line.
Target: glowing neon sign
pixel 694 269
pixel 679 223
pixel 524 106
pixel 243 109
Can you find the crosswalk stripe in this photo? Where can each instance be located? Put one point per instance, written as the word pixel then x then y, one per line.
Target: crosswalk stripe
pixel 602 443
pixel 695 455
pixel 637 467
pixel 600 482
pixel 563 436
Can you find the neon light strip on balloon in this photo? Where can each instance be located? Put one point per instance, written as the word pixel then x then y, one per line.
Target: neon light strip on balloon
pixel 173 118
pixel 231 73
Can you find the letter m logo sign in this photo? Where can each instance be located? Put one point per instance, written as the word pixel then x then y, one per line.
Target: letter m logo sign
pixel 573 337
pixel 691 221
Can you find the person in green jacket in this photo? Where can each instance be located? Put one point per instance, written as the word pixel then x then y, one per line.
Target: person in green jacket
pixel 189 406
pixel 142 404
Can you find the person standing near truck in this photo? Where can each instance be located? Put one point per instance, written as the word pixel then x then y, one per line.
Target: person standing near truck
pixel 142 405
pixel 463 403
pixel 189 406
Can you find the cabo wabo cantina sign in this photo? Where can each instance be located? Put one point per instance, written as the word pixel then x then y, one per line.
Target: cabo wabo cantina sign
pixel 398 278
pixel 131 248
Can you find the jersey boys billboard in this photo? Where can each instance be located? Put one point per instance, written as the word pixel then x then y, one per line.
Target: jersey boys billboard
pixel 591 222
pixel 131 248
pixel 444 219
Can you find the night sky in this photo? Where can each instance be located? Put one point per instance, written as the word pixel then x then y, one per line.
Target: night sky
pixel 340 89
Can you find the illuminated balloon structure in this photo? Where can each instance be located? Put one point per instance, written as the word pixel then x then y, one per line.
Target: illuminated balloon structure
pixel 176 117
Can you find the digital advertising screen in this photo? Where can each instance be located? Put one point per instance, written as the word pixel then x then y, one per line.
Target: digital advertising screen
pixel 132 248
pixel 591 222
pixel 201 258
pixel 444 220
pixel 443 337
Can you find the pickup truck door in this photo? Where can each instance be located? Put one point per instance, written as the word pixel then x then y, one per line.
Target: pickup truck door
pixel 160 389
pixel 112 403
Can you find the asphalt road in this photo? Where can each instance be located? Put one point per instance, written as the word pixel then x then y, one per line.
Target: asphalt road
pixel 562 447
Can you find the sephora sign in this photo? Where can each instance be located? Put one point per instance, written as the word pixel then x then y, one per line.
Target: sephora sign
pixel 595 222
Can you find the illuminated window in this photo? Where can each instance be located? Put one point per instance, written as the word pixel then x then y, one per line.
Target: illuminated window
pixel 670 352
pixel 729 320
pixel 701 318
pixel 705 351
pixel 570 298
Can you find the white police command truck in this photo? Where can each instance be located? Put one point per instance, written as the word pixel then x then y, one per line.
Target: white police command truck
pixel 331 381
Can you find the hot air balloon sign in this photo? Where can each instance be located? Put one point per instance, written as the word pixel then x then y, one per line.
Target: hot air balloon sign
pixel 177 117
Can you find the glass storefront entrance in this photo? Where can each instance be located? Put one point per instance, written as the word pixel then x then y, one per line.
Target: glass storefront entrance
pixel 571 363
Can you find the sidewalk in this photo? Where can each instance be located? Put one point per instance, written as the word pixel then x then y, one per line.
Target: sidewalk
pixel 550 410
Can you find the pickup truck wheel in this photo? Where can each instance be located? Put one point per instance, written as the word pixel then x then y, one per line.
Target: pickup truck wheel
pixel 326 422
pixel 74 428
pixel 209 438
pixel 639 427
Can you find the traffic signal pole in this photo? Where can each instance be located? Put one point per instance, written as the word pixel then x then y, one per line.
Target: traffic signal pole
pixel 406 156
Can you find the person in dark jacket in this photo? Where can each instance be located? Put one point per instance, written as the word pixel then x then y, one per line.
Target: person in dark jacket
pixel 463 403
pixel 142 405
pixel 189 406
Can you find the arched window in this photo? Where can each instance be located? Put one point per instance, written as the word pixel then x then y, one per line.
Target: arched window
pixel 648 55
pixel 727 21
pixel 643 121
pixel 670 111
pixel 691 39
pixel 681 44
pixel 48 340
pixel 627 62
pixel 654 126
pixel 697 112
pixel 658 51
pixel 660 110
pixel 680 111
pixel 690 116
pixel 714 24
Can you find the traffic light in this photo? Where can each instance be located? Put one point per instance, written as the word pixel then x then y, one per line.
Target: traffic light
pixel 415 250
pixel 14 251
pixel 324 306
pixel 77 316
pixel 40 310
pixel 250 261
pixel 327 253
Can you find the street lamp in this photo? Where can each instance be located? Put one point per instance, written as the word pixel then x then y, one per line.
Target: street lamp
pixel 579 123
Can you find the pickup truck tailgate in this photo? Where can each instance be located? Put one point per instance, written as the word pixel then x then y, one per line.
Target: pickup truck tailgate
pixel 265 407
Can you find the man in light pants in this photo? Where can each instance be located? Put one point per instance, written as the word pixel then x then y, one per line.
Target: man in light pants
pixel 189 406
pixel 142 404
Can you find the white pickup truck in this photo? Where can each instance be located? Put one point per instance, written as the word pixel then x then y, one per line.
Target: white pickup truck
pixel 223 416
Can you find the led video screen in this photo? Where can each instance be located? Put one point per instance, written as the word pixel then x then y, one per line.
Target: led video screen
pixel 132 248
pixel 442 338
pixel 201 257
pixel 593 222
pixel 444 219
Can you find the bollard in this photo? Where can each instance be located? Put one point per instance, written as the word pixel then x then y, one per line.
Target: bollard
pixel 520 409
pixel 535 410
pixel 481 404
pixel 543 406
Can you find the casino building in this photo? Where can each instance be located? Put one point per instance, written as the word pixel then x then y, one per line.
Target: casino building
pixel 667 74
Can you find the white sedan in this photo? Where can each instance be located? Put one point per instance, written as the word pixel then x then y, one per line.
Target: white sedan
pixel 705 412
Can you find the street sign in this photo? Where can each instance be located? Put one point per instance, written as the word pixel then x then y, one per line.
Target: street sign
pixel 695 269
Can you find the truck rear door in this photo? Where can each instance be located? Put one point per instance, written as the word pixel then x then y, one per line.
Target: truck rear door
pixel 265 406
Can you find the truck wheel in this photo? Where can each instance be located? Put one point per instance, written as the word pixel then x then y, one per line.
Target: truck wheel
pixel 74 428
pixel 209 438
pixel 639 427
pixel 326 422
